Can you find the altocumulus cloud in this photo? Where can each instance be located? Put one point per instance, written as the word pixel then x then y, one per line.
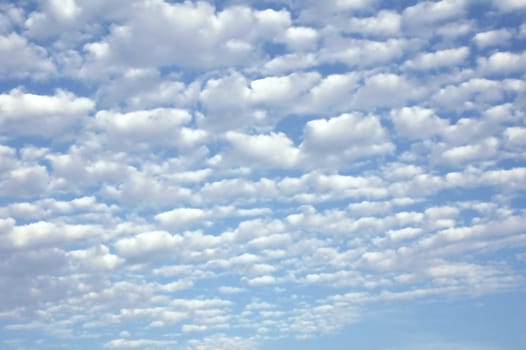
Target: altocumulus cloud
pixel 243 174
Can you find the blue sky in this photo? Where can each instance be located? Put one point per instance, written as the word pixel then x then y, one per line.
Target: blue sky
pixel 340 174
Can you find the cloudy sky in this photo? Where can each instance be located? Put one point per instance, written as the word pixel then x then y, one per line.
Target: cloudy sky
pixel 273 174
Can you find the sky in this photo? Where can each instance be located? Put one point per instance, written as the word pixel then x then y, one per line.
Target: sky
pixel 263 175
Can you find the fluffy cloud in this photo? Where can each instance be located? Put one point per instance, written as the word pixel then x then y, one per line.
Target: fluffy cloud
pixel 417 122
pixel 395 90
pixel 492 38
pixel 147 243
pixel 468 153
pixel 301 38
pixel 42 115
pixel 137 343
pixel 425 15
pixel 344 138
pixel 502 62
pixel 181 216
pixel 162 126
pixel 47 233
pixel 439 59
pixel 385 23
pixel 280 90
pixel 361 53
pixel 274 150
pixel 168 32
pixel 20 58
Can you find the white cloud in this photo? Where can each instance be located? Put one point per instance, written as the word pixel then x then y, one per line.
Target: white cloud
pixel 493 38
pixel 290 62
pixel 343 138
pixel 230 290
pixel 48 233
pixel 149 127
pixel 282 90
pixel 405 233
pixel 502 62
pixel 20 58
pixel 396 90
pixel 145 88
pixel 227 102
pixel 97 258
pixel 516 136
pixel 417 122
pixel 331 95
pixel 137 343
pixel 262 281
pixel 222 342
pixel 273 150
pixel 301 38
pixel 168 32
pixel 362 53
pixel 181 217
pixel 25 180
pixel 439 59
pixel 42 115
pixel 385 23
pixel 426 14
pixel 147 244
pixel 456 30
pixel 459 155
pixel 177 286
pixel 238 189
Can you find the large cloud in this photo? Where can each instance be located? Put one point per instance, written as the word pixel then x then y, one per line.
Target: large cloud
pixel 188 35
pixel 41 115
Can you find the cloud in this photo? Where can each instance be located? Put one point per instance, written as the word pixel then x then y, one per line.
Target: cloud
pixel 493 38
pixel 45 116
pixel 502 62
pixel 362 53
pixel 222 342
pixel 144 89
pixel 147 244
pixel 164 125
pixel 21 58
pixel 167 31
pixel 467 93
pixel 509 5
pixel 467 153
pixel 279 90
pixel 181 216
pixel 416 122
pixel 138 343
pixel 24 180
pixel 47 233
pixel 395 89
pixel 385 23
pixel 301 38
pixel 439 59
pixel 426 14
pixel 516 136
pixel 274 150
pixel 343 138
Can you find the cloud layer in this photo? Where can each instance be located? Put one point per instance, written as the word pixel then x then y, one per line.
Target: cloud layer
pixel 191 175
